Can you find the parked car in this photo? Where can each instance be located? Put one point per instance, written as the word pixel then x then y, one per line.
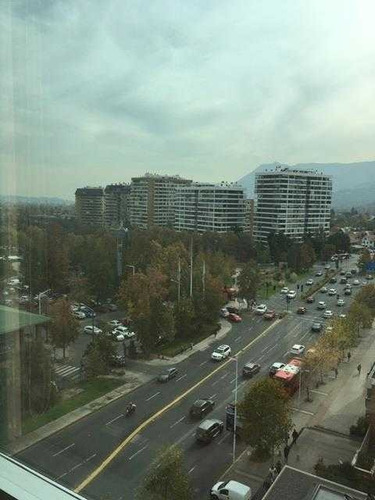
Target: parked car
pixel 271 314
pixel 114 323
pixel 118 336
pixel 316 326
pixel 342 316
pixel 327 314
pixel 112 307
pixel 340 302
pixel 297 349
pixel 250 369
pixel 168 374
pixel 224 313
pixel 261 309
pixel 92 330
pixel 234 318
pixel 310 299
pixel 301 310
pixel 284 290
pixel 319 273
pixel 292 294
pixel 324 289
pixel 201 407
pixel 332 291
pixel 122 330
pixel 221 352
pixel 276 366
pixel 310 282
pixel 230 490
pixel 321 305
pixel 209 430
pixel 78 314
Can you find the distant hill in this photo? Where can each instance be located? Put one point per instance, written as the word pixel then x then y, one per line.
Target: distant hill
pixel 353 183
pixel 31 200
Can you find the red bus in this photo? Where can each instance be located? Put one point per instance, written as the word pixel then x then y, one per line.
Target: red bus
pixel 289 376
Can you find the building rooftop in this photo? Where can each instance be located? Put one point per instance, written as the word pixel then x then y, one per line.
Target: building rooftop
pixel 294 484
pixel 15 319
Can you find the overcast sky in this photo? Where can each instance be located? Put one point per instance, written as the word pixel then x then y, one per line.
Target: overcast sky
pixel 94 92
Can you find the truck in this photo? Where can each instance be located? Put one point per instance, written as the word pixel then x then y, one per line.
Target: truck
pixel 289 375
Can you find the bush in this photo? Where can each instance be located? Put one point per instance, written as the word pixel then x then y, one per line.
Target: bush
pixel 360 428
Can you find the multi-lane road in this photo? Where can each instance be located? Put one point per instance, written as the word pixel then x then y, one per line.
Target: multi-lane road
pixel 78 452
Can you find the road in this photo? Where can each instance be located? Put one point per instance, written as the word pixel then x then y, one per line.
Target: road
pixel 72 454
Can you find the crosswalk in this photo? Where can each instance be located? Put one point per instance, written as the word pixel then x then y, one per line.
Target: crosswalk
pixel 67 372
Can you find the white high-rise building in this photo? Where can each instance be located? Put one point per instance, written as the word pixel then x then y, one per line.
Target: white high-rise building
pixel 208 207
pixel 294 202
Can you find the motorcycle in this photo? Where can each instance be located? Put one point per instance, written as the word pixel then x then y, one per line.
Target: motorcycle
pixel 130 409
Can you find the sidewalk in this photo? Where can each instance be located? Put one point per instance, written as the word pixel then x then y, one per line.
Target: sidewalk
pixel 323 424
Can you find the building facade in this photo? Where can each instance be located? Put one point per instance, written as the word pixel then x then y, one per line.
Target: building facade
pixel 249 216
pixel 152 200
pixel 208 207
pixel 116 205
pixel 89 206
pixel 294 202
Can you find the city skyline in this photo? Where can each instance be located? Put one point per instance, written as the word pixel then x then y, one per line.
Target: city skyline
pixel 208 91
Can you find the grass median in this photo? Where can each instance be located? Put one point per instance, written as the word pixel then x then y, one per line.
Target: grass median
pixel 90 390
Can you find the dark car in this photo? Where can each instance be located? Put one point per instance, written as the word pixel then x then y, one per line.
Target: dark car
pixel 333 280
pixel 201 407
pixel 353 271
pixel 301 310
pixel 112 307
pixel 269 315
pixel 250 369
pixel 347 291
pixel 316 326
pixel 208 430
pixel 348 274
pixel 342 273
pixel 310 299
pixel 343 281
pixel 167 375
pixel 233 310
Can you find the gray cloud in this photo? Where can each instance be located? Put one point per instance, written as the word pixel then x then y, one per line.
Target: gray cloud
pixel 96 92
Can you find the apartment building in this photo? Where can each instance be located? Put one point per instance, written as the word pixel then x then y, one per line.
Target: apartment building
pixel 89 206
pixel 116 205
pixel 294 202
pixel 152 200
pixel 249 216
pixel 207 207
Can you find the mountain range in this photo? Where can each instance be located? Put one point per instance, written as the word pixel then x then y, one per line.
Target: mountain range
pixel 353 183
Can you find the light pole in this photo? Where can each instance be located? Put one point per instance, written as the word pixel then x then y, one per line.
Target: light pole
pixel 300 385
pixel 235 359
pixel 132 267
pixel 39 299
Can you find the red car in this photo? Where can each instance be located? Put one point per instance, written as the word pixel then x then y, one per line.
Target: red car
pixel 269 315
pixel 310 299
pixel 234 318
pixel 301 310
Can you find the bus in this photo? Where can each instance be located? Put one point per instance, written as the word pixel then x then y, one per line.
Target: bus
pixel 289 376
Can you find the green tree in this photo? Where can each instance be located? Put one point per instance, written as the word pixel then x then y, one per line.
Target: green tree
pixel 57 259
pixel 359 316
pixel 340 241
pixel 64 329
pixel 279 245
pixel 184 318
pixel 167 478
pixel 249 280
pixel 98 357
pixel 364 259
pixel 265 412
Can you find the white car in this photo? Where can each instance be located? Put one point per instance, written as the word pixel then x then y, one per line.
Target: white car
pixel 356 282
pixel 292 294
pixel 310 282
pixel 342 316
pixel 14 282
pixel 327 314
pixel 89 329
pixel 321 305
pixel 297 349
pixel 261 309
pixel 340 302
pixel 79 314
pixel 284 290
pixel 221 352
pixel 115 323
pixel 224 490
pixel 118 336
pixel 122 330
pixel 332 291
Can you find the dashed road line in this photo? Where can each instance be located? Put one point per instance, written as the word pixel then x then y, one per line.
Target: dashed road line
pixel 138 452
pixel 178 422
pixel 153 396
pixel 180 378
pixel 114 419
pixel 64 449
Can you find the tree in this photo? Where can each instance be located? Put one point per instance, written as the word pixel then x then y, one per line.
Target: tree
pixel 364 259
pixel 98 357
pixel 340 241
pixel 249 280
pixel 57 259
pixel 64 328
pixel 359 316
pixel 184 318
pixel 167 478
pixel 279 245
pixel 366 296
pixel 265 412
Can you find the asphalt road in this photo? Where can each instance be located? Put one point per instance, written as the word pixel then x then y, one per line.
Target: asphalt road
pixel 72 454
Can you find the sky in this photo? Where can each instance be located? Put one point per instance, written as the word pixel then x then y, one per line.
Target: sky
pixel 97 91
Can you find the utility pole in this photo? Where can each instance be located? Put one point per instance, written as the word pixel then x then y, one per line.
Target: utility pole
pixel 191 267
pixel 204 277
pixel 179 280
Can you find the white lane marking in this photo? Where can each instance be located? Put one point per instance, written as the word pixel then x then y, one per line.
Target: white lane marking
pixel 303 411
pixel 303 336
pixel 285 354
pixel 64 449
pixel 261 357
pixel 180 378
pixel 239 386
pixel 265 349
pixel 191 470
pixel 203 363
pixel 114 419
pixel 225 375
pixel 231 382
pixel 137 452
pixel 222 439
pixel 319 392
pixel 216 381
pixel 213 396
pixel 153 396
pixel 76 466
pixel 272 348
pixel 178 421
pixel 251 327
pixel 238 339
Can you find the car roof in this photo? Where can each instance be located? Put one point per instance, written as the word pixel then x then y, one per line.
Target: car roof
pixel 200 402
pixel 251 364
pixel 278 364
pixel 206 424
pixel 297 346
pixel 221 347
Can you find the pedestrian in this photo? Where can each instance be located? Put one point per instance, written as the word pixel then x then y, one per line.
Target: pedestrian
pixel 273 473
pixel 294 436
pixel 336 371
pixel 349 356
pixel 286 453
pixel 359 368
pixel 278 466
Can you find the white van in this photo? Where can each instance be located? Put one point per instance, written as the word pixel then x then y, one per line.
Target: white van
pixel 230 490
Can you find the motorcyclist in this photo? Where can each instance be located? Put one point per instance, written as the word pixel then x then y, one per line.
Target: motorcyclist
pixel 131 407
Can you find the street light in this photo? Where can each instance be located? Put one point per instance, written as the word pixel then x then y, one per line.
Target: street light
pixel 132 267
pixel 235 359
